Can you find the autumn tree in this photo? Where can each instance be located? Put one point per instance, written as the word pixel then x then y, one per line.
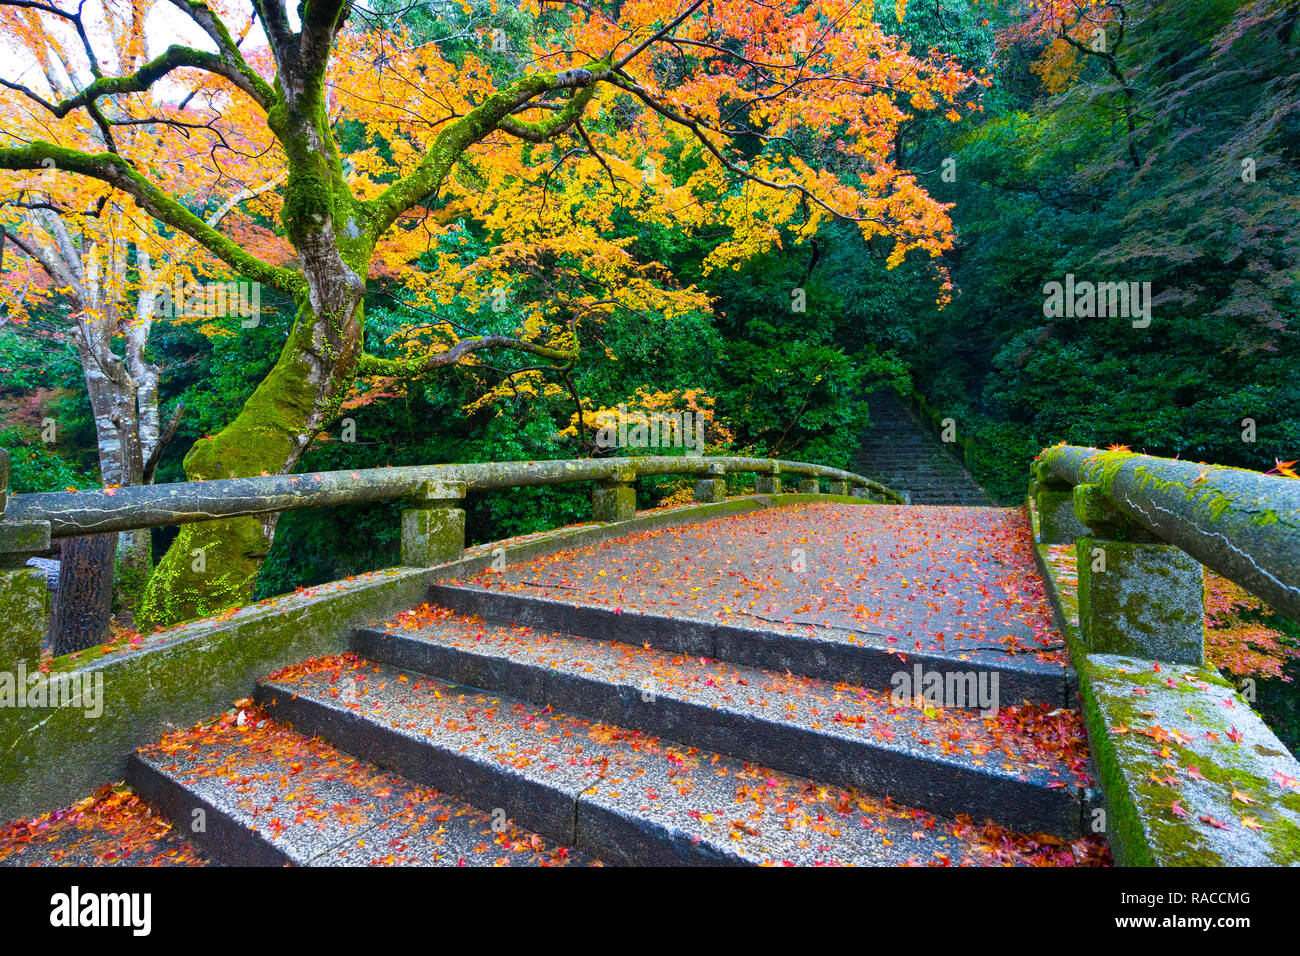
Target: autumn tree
pixel 587 110
pixel 110 267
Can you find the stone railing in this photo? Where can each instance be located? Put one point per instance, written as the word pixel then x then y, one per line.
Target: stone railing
pixel 184 674
pixel 433 527
pixel 1143 526
pixel 1178 748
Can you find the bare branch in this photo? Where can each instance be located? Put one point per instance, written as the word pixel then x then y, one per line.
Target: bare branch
pixel 174 58
pixel 658 35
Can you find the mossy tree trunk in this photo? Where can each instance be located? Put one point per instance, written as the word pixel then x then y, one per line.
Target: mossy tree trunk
pixel 213 566
pixel 84 598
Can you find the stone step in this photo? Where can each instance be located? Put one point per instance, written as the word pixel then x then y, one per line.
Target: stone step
pixel 937 468
pixel 897 451
pixel 928 483
pixel 920 472
pixel 931 486
pixel 615 793
pixel 949 762
pixel 262 795
pixel 938 489
pixel 938 472
pixel 924 496
pixel 828 655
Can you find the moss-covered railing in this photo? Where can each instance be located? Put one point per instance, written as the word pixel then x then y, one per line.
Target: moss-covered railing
pixel 433 528
pixel 153 506
pixel 69 725
pixel 1190 773
pixel 1243 524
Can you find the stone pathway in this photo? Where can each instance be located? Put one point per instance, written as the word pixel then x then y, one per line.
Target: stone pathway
pixel 719 693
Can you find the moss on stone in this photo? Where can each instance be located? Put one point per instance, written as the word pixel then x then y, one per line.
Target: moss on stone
pixel 1057 521
pixel 24 613
pixel 177 678
pixel 711 489
pixel 432 536
pixel 1122 696
pixel 1147 603
pixel 615 501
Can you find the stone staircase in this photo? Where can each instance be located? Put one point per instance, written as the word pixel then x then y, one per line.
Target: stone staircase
pixel 901 454
pixel 619 737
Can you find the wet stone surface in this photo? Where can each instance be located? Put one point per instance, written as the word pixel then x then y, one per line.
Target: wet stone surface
pixel 313 804
pixel 954 581
pixel 629 796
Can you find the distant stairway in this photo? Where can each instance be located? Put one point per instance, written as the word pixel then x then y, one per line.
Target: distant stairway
pixel 898 452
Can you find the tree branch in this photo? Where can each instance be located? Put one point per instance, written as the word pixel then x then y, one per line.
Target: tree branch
pixel 657 35
pixel 276 21
pixel 405 368
pixel 119 173
pixel 173 58
pixel 151 466
pixel 321 20
pixel 452 142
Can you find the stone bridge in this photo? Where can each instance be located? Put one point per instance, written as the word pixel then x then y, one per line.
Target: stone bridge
pixel 795 669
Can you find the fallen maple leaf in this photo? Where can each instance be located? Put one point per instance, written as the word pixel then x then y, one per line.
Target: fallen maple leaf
pixel 1284 781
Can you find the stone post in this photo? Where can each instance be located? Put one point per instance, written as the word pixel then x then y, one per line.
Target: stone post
pixel 24 599
pixel 1137 597
pixel 614 499
pixel 714 487
pixel 769 484
pixel 433 532
pixel 1054 501
pixel 838 488
pixel 810 486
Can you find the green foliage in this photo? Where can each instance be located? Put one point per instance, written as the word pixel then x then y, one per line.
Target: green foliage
pixel 1047 185
pixel 214 377
pixel 43 381
pixel 36 466
pixel 790 387
pixel 28 362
